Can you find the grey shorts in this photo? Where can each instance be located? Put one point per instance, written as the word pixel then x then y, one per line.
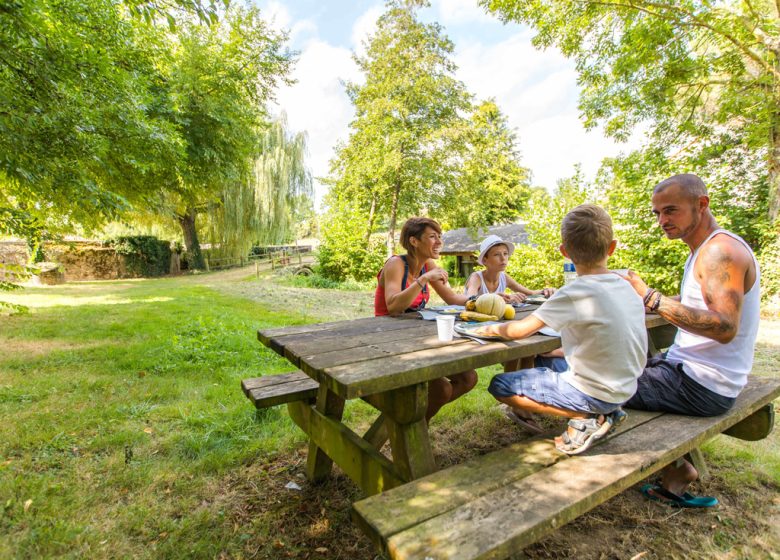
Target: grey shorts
pixel 665 387
pixel 545 386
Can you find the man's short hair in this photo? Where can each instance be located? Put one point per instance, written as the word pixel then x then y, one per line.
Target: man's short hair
pixel 415 227
pixel 691 186
pixel 587 232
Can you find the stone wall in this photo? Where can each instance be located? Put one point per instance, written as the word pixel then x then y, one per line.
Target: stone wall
pixel 13 252
pixel 78 260
pixel 86 261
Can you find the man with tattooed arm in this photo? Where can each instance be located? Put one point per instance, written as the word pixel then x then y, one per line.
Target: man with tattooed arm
pixel 717 314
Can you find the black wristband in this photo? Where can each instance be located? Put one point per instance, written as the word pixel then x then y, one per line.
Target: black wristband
pixel 656 303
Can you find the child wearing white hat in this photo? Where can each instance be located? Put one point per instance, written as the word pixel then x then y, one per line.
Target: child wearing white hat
pixel 494 255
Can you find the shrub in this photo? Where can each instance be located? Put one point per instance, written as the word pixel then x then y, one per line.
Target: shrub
pixel 145 254
pixel 343 253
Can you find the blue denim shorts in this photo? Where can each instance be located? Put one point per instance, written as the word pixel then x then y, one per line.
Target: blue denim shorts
pixel 545 386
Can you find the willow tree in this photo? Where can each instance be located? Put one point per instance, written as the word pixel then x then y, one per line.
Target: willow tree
pixel 219 80
pixel 704 75
pixel 261 208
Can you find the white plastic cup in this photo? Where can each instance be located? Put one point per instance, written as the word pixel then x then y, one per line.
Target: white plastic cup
pixel 445 326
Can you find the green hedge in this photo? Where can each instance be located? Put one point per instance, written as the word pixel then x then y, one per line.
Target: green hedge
pixel 145 254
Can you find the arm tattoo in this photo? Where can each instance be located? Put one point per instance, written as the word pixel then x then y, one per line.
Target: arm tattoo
pixel 698 321
pixel 721 318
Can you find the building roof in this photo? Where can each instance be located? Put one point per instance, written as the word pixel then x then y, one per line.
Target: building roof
pixel 460 240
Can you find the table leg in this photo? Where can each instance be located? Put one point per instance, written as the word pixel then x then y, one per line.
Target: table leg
pixel 318 464
pixel 527 362
pixel 404 411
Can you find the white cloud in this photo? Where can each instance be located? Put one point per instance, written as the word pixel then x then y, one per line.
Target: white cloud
pixel 318 104
pixel 279 17
pixel 537 91
pixel 462 11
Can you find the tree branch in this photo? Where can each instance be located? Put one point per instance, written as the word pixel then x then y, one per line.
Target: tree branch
pixel 693 21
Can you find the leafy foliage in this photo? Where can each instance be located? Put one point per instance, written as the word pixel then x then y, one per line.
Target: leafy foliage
pixel 398 157
pixel 220 78
pixel 343 253
pixel 147 255
pixel 411 150
pixel 79 138
pixel 703 75
pixel 262 208
pixel 492 187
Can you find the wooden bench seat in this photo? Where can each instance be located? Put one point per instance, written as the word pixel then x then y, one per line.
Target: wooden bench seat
pixel 272 390
pixel 497 504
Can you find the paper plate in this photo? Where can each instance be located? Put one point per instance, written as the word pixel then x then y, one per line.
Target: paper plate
pixel 468 328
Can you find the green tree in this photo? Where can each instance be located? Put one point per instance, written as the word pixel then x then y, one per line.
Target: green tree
pixel 262 209
pixel 219 78
pixel 397 160
pixel 705 75
pixel 540 263
pixel 492 187
pixel 80 139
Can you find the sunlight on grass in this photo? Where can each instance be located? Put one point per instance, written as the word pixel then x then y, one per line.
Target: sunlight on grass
pixel 43 300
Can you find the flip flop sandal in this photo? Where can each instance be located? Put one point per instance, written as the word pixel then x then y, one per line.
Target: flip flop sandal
pixel 660 494
pixel 528 424
pixel 586 433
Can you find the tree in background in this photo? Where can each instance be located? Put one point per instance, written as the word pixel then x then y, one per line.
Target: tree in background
pixel 262 208
pixel 540 263
pixel 219 79
pixel 492 187
pixel 704 75
pixel 398 156
pixel 79 136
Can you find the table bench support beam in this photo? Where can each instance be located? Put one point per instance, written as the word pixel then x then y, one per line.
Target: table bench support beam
pixel 370 470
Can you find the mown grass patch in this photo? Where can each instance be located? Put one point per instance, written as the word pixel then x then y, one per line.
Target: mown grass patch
pixel 122 400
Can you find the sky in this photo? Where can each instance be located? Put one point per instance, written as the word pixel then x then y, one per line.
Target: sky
pixel 537 90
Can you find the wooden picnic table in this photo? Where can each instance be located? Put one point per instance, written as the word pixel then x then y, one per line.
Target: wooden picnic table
pixel 386 361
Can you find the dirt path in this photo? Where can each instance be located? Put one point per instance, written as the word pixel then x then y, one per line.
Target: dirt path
pixel 317 304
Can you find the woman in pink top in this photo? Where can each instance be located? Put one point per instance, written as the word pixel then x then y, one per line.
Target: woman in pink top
pixel 403 285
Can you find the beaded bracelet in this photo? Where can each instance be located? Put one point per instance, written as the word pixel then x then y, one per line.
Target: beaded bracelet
pixel 656 303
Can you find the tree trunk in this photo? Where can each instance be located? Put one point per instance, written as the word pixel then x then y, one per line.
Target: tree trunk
pixel 371 218
pixel 774 172
pixel 191 243
pixel 393 218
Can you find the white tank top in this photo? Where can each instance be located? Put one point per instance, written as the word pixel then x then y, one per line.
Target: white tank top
pixel 722 368
pixel 483 287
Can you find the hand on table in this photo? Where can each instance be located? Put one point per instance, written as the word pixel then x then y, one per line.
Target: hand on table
pixel 547 292
pixel 487 330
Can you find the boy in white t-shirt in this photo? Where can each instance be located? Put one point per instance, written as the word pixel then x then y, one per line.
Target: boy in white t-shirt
pixel 602 324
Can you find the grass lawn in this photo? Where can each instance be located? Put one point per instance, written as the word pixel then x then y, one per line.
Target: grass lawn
pixel 124 434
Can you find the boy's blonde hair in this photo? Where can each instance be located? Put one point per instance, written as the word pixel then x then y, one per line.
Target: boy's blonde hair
pixel 587 232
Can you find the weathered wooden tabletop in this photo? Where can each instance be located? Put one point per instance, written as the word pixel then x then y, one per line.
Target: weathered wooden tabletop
pixel 377 354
